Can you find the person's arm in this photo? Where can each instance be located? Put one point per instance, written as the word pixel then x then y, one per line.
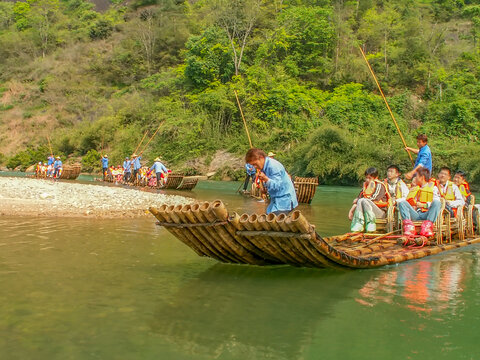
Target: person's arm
pixel 412 150
pixel 404 189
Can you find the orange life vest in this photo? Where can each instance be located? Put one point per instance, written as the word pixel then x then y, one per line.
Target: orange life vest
pixel 465 190
pixel 425 195
pixel 370 189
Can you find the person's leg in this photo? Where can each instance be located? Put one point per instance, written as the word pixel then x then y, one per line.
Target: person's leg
pixel 434 210
pixel 371 212
pixel 159 178
pixel 358 220
pixel 406 211
pixel 245 182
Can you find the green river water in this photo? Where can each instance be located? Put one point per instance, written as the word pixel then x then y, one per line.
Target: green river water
pixel 126 289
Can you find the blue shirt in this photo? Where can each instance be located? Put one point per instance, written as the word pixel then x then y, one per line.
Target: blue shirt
pixel 158 167
pixel 250 169
pixel 104 162
pixel 58 164
pixel 51 160
pixel 136 163
pixel 279 186
pixel 127 164
pixel 424 158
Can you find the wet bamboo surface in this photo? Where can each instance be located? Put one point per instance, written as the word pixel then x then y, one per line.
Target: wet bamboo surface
pixel 305 189
pixel 263 239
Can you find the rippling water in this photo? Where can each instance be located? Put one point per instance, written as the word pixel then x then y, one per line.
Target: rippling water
pixel 125 289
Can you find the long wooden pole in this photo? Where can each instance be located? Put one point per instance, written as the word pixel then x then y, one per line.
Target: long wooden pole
pixel 50 145
pixel 243 117
pixel 386 103
pixel 155 133
pixel 141 141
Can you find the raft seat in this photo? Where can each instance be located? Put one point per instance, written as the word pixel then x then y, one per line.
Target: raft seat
pixel 388 223
pixel 458 224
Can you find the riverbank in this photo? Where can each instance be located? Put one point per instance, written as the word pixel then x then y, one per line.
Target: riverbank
pixel 33 197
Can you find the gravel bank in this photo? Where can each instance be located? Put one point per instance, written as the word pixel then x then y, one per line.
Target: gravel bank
pixel 32 197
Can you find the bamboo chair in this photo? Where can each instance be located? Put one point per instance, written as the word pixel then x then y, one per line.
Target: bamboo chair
pixel 473 218
pixel 387 224
pixel 458 224
pixel 441 226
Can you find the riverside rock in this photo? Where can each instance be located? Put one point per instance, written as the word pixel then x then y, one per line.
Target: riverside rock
pixel 33 197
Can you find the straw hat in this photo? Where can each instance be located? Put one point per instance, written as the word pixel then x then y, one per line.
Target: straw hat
pixel 58 157
pixel 127 158
pixel 157 159
pixel 105 156
pixel 271 153
pixel 134 155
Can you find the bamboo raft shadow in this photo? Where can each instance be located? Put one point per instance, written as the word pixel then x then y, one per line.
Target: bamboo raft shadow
pixel 210 231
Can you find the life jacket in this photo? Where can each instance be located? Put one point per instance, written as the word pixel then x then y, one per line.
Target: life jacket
pixel 412 195
pixel 465 190
pixel 370 190
pixel 398 189
pixel 448 194
pixel 425 195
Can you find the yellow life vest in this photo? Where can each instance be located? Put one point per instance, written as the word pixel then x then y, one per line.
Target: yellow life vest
pixel 412 195
pixel 369 190
pixel 448 194
pixel 398 188
pixel 465 190
pixel 425 195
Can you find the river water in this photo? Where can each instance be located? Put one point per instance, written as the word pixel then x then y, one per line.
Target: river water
pixel 126 289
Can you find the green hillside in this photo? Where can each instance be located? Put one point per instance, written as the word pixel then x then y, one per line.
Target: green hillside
pixel 95 82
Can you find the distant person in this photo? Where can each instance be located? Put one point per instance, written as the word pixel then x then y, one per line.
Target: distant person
pixel 424 157
pixel 104 166
pixel 277 182
pixel 449 191
pixel 426 206
pixel 370 204
pixel 127 169
pixel 396 187
pixel 160 171
pixel 251 171
pixel 57 168
pixel 136 166
pixel 460 179
pixel 50 161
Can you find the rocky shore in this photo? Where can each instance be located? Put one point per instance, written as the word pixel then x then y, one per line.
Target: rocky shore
pixel 32 197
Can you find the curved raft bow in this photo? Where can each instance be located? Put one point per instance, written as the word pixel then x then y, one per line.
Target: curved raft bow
pixel 210 231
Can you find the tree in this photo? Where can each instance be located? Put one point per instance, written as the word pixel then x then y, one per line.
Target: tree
pixel 42 15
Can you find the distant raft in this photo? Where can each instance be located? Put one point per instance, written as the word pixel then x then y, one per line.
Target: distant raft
pixel 305 188
pixel 210 231
pixel 71 172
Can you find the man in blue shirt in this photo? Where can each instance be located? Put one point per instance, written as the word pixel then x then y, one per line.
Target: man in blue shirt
pixel 159 170
pixel 424 157
pixel 250 175
pixel 57 166
pixel 105 166
pixel 283 198
pixel 50 162
pixel 127 169
pixel 136 165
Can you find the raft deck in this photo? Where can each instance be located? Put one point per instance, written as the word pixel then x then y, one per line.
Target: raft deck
pixel 210 231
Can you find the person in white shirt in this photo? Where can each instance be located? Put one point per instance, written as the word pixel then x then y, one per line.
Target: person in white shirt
pixel 449 191
pixel 396 187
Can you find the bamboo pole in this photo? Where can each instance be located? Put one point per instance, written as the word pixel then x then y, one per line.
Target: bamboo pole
pixel 243 118
pixel 50 146
pixel 141 141
pixel 155 133
pixel 386 103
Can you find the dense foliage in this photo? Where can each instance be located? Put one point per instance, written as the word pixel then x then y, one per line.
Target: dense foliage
pixel 97 81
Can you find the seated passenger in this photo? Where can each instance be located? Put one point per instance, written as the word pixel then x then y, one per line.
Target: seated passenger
pixel 370 204
pixel 449 191
pixel 397 188
pixel 460 180
pixel 426 205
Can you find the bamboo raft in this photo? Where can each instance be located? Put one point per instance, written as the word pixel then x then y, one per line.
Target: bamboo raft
pixel 305 189
pixel 71 172
pixel 174 182
pixel 210 231
pixel 188 183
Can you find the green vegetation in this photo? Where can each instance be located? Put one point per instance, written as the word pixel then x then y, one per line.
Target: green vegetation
pixel 97 81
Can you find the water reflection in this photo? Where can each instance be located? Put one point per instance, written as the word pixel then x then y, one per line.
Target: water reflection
pixel 432 285
pixel 231 311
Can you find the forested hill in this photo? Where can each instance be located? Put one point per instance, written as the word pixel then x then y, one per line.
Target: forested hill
pixel 96 81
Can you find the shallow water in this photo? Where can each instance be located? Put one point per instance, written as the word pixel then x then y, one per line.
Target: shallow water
pixel 126 289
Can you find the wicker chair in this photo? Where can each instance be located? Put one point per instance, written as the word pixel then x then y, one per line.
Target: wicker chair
pixel 441 226
pixel 388 223
pixel 458 224
pixel 473 218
